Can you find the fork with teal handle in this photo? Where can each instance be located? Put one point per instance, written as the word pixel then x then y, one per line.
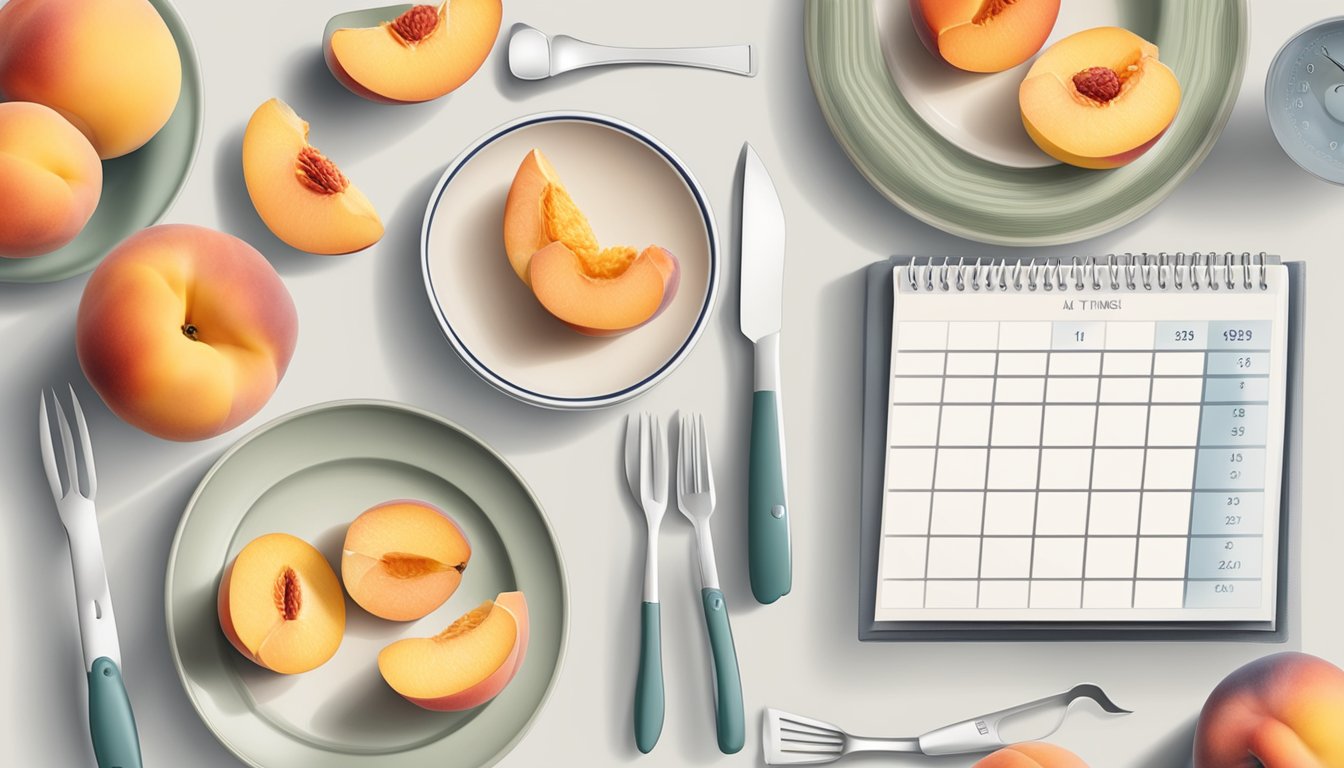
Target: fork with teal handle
pixel 646 471
pixel 111 722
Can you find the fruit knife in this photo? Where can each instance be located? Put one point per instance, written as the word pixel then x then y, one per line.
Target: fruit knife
pixel 768 541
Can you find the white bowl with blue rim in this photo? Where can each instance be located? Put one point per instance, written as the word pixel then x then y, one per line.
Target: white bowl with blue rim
pixel 635 192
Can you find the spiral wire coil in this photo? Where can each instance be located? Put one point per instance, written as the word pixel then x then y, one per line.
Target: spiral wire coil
pixel 1145 271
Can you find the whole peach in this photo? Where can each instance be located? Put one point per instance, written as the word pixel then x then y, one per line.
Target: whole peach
pixel 1282 711
pixel 184 331
pixel 50 180
pixel 111 67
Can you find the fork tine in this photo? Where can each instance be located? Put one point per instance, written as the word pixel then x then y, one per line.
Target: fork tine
pixel 48 450
pixel 683 487
pixel 645 478
pixel 704 450
pixel 67 445
pixel 84 443
pixel 693 475
pixel 659 460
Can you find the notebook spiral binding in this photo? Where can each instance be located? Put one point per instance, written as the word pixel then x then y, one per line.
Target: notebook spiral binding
pixel 1146 271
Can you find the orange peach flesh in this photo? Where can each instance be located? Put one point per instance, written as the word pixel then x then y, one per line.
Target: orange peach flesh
pixel 109 66
pixel 468 663
pixel 423 54
pixel 403 559
pixel 1032 755
pixel 298 192
pixel 599 305
pixel 50 180
pixel 281 606
pixel 184 331
pixel 984 35
pixel 1081 125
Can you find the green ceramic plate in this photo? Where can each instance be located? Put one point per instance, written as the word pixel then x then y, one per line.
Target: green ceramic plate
pixel 309 474
pixel 139 188
pixel 936 181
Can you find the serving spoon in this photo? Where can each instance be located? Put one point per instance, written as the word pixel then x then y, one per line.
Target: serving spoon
pixel 535 56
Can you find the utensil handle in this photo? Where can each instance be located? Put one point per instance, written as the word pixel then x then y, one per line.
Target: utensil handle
pixel 769 560
pixel 116 744
pixel 649 684
pixel 571 53
pixel 732 729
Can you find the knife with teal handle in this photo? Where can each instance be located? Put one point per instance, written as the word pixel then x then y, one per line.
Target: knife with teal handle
pixel 770 561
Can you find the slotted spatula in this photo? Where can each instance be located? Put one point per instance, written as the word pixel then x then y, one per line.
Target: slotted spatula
pixel 795 740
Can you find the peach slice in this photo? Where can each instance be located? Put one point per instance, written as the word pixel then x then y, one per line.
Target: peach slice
pixel 465 665
pixel 423 53
pixel 596 291
pixel 281 606
pixel 111 67
pixel 300 193
pixel 1099 98
pixel 403 559
pixel 602 306
pixel 984 35
pixel 50 180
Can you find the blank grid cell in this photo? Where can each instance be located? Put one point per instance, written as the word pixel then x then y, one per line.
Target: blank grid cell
pixel 914 425
pixel 953 558
pixel 903 557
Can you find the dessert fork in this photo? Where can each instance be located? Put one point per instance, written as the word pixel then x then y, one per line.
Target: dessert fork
pixel 646 471
pixel 111 722
pixel 695 498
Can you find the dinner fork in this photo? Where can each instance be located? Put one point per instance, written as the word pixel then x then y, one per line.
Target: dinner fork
pixel 646 471
pixel 111 722
pixel 695 498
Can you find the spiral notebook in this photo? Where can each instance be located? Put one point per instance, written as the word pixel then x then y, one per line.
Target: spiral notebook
pixel 1084 444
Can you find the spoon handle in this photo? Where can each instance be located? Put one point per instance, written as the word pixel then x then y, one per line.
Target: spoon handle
pixel 568 53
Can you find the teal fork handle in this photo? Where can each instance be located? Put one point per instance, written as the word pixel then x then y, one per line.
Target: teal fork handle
pixel 768 557
pixel 732 729
pixel 111 722
pixel 649 684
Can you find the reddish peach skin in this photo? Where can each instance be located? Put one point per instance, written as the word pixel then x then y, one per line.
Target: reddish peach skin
pixel 50 180
pixel 1032 755
pixel 984 35
pixel 514 605
pixel 1282 711
pixel 184 331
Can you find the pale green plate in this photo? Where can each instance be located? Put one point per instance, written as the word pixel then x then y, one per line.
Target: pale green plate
pixel 309 474
pixel 1204 42
pixel 139 188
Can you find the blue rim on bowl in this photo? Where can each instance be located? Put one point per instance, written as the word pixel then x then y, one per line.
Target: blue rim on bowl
pixel 499 380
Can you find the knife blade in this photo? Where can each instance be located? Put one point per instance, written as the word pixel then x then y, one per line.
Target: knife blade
pixel 762 309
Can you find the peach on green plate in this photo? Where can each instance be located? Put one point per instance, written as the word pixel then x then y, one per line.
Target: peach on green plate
pixel 308 475
pixel 139 187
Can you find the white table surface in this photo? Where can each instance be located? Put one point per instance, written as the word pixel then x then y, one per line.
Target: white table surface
pixel 367 331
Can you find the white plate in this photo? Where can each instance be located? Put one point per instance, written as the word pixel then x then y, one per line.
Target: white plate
pixel 635 192
pixel 979 112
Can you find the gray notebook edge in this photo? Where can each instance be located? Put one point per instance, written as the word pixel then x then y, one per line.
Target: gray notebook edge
pixel 878 306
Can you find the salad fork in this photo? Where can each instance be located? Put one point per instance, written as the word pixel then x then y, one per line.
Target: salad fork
pixel 111 722
pixel 646 471
pixel 695 499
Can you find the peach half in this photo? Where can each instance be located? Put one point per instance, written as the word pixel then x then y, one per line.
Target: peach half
pixel 984 35
pixel 111 67
pixel 50 180
pixel 281 606
pixel 403 559
pixel 1099 98
pixel 298 192
pixel 1033 754
pixel 422 53
pixel 551 246
pixel 465 665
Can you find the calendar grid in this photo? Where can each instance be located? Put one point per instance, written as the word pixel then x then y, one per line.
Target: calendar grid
pixel 984 500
